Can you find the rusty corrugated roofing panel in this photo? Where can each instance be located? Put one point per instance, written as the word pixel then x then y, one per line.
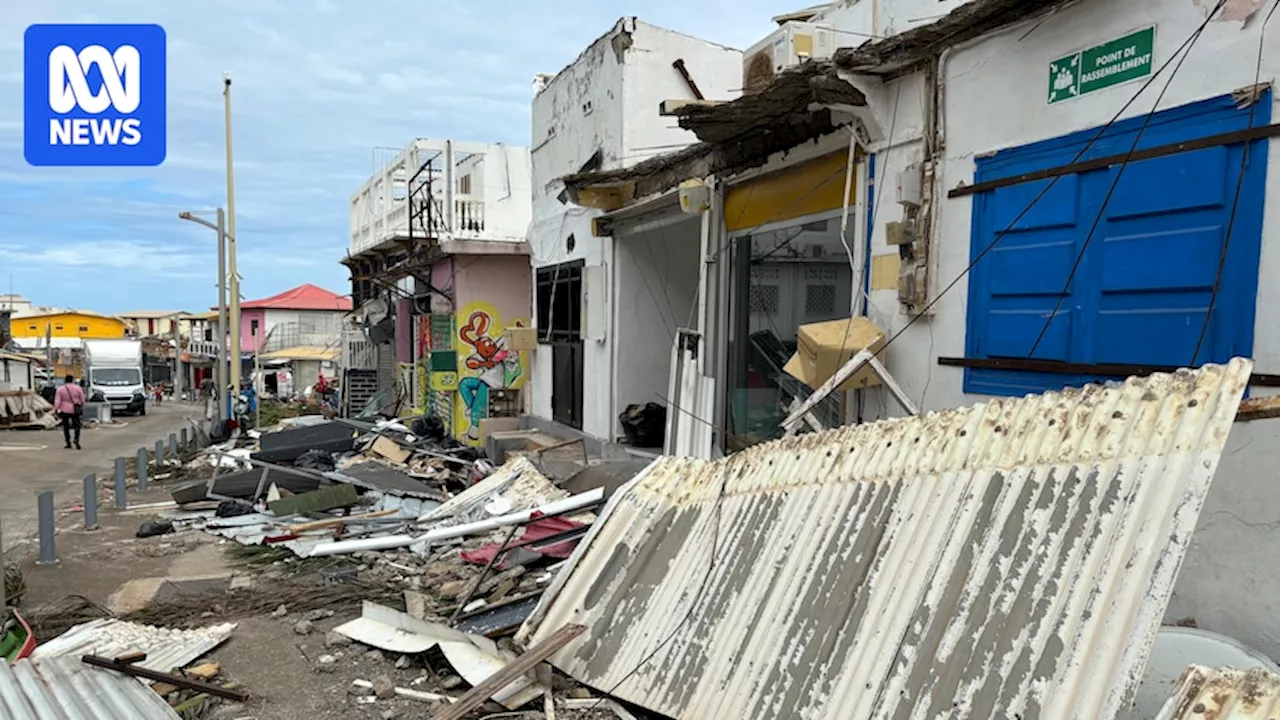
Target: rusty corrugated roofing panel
pixel 1009 559
pixel 1224 694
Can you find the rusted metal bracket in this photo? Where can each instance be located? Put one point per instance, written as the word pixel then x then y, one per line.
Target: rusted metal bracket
pixel 688 79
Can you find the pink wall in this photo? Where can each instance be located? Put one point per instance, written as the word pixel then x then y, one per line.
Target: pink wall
pixel 246 325
pixel 504 281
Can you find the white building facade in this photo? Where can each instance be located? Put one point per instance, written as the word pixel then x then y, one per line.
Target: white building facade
pixel 593 310
pixel 1041 194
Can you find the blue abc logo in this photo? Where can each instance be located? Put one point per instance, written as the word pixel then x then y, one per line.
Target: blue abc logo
pixel 94 95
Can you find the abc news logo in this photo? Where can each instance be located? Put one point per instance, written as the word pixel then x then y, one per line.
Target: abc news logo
pixel 94 95
pixel 69 89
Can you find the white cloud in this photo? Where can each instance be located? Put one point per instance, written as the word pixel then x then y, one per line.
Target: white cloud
pixel 316 87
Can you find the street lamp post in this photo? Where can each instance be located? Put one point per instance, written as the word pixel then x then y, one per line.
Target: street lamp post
pixel 220 372
pixel 234 277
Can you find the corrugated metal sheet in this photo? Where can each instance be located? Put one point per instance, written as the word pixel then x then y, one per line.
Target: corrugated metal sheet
pixel 1012 559
pixel 66 689
pixel 166 648
pixel 518 483
pixel 1224 694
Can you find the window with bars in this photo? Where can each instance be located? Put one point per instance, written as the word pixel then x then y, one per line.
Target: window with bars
pixel 819 299
pixel 764 298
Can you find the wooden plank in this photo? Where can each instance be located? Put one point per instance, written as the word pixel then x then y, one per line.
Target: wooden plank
pixel 671 108
pixel 509 674
pixel 1263 408
pixel 176 680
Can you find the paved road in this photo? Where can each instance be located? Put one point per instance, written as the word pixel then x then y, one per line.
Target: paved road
pixel 25 472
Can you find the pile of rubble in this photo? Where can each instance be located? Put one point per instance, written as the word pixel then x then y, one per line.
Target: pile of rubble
pixel 471 548
pixel 25 410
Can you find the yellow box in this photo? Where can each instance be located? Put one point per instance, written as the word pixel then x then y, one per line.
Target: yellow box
pixel 823 348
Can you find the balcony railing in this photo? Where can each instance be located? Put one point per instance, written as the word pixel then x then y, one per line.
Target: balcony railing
pixel 444 190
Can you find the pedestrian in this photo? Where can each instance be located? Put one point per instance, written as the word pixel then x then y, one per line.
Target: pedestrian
pixel 159 391
pixel 68 402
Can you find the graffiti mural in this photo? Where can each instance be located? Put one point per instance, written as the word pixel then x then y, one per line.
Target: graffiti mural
pixel 485 363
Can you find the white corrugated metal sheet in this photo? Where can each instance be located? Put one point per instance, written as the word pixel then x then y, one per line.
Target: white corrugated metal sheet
pixel 166 648
pixel 1012 559
pixel 517 485
pixel 1224 694
pixel 66 689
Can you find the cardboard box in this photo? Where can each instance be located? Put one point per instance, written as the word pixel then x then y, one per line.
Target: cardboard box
pixel 522 339
pixel 823 348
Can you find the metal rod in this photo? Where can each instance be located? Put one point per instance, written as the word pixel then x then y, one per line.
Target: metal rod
pixel 90 501
pixel 173 446
pixel 475 586
pixel 120 497
pixel 44 512
pixel 183 443
pixel 142 469
pixel 159 455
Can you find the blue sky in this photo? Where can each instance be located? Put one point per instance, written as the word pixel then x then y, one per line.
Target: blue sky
pixel 318 85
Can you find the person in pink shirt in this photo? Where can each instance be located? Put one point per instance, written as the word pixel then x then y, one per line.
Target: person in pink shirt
pixel 68 403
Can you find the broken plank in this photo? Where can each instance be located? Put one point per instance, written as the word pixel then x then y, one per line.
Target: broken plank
pixel 334 522
pixel 1262 408
pixel 334 496
pixel 476 696
pixel 177 680
pixel 672 108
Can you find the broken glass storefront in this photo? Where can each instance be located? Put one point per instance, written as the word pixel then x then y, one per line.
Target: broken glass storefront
pixel 781 277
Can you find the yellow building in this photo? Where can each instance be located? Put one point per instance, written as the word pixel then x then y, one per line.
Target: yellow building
pixel 80 324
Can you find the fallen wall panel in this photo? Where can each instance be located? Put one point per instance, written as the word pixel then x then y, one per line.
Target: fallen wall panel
pixel 1012 559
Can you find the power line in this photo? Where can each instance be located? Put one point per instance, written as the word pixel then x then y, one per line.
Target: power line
pixel 1235 203
pixel 1097 220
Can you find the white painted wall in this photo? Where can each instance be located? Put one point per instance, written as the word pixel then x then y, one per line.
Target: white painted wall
pixel 657 279
pixel 607 100
pixel 995 90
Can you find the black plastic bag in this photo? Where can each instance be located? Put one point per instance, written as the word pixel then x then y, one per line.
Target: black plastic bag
pixel 644 425
pixel 428 427
pixel 232 508
pixel 154 528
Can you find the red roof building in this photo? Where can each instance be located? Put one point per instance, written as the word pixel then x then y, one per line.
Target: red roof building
pixel 303 297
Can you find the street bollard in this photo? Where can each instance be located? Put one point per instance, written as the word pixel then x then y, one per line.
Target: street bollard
pixel 159 454
pixel 173 446
pixel 90 502
pixel 142 469
pixel 122 500
pixel 44 508
pixel 182 441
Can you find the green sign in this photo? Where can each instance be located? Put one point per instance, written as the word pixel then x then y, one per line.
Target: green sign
pixel 1102 66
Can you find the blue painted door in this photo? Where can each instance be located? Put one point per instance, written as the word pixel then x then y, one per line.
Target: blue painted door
pixel 1142 288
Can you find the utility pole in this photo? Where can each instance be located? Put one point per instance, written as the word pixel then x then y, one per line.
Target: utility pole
pixel 221 374
pixel 177 358
pixel 231 245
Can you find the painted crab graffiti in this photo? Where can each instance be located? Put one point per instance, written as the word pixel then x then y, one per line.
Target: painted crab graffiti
pixel 489 365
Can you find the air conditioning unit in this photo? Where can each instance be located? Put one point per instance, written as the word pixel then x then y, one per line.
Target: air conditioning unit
pixel 788 46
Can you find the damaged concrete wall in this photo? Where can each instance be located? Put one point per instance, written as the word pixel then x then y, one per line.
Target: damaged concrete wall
pixel 607 102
